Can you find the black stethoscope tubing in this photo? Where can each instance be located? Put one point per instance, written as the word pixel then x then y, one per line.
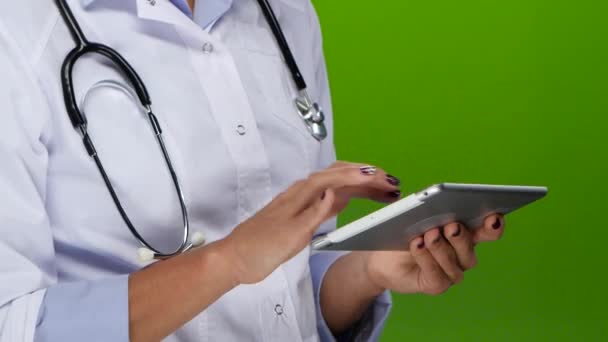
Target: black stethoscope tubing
pixel 79 120
pixel 275 27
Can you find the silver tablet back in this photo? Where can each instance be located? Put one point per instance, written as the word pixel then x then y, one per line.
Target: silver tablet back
pixel 442 204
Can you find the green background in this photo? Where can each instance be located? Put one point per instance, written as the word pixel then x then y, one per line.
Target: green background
pixel 505 92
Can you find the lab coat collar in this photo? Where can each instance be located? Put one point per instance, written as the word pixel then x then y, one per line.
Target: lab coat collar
pixel 165 11
pixel 86 3
pixel 157 10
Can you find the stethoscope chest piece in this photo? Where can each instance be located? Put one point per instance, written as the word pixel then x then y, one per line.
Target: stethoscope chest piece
pixel 312 115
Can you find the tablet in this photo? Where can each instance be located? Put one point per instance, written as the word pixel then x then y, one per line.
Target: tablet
pixel 394 226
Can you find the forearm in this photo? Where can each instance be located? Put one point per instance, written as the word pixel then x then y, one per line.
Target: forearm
pixel 346 292
pixel 167 294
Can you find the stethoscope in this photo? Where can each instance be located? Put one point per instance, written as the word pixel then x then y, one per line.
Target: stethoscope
pixel 309 111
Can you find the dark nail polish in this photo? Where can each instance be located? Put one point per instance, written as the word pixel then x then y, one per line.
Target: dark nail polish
pixel 457 231
pixel 421 245
pixel 497 224
pixel 393 180
pixel 395 194
pixel 368 170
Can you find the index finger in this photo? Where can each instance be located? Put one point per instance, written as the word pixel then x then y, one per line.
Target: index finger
pixel 334 178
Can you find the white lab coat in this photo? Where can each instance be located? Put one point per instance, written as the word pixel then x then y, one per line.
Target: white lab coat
pixel 57 221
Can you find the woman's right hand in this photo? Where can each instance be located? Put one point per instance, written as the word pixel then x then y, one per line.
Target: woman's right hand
pixel 286 225
pixel 249 254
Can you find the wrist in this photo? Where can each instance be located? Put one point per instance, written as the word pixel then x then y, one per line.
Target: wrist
pixel 371 286
pixel 372 278
pixel 218 255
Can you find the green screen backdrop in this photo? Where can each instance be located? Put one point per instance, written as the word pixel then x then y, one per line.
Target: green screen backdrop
pixel 505 92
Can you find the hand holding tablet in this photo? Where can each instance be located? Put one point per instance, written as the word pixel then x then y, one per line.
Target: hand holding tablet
pixel 423 243
pixel 394 226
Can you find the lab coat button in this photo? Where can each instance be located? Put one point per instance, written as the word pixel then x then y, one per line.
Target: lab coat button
pixel 278 309
pixel 152 2
pixel 207 47
pixel 241 130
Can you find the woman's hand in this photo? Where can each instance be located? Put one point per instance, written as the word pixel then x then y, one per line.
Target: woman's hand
pixel 435 261
pixel 286 225
pixel 248 255
pixel 380 186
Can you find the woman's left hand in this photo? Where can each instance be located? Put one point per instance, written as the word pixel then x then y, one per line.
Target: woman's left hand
pixel 435 261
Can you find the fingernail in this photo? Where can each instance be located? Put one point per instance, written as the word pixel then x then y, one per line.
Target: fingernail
pixel 368 170
pixel 497 224
pixel 436 239
pixel 323 195
pixel 393 180
pixel 421 245
pixel 457 231
pixel 395 194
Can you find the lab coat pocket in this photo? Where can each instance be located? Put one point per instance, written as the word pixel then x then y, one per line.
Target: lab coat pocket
pixel 274 84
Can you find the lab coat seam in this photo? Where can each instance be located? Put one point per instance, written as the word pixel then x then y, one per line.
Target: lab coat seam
pixel 35 64
pixel 32 304
pixel 239 207
pixel 37 301
pixel 305 142
pixel 264 165
pixel 44 40
pixel 203 325
pixel 90 29
pixel 295 4
pixel 267 48
pixel 263 330
pixel 33 77
pixel 289 93
pixel 291 306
